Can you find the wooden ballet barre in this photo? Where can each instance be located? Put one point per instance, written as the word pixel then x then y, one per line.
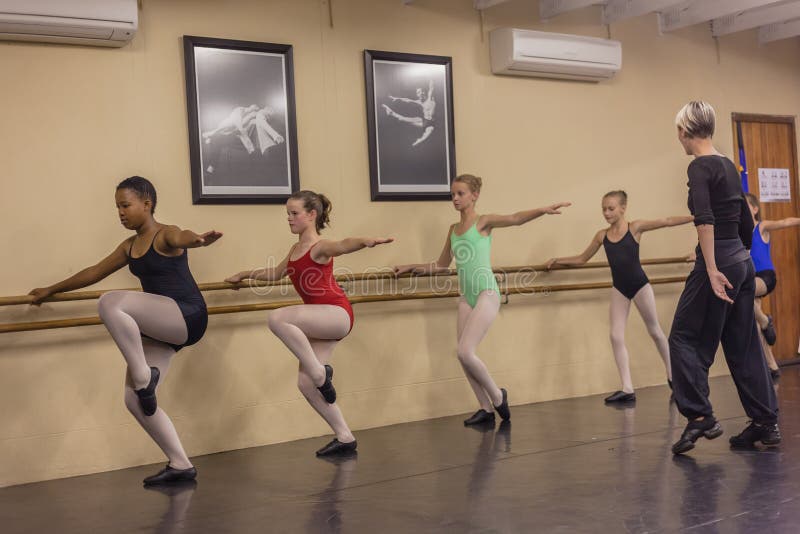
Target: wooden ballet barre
pixel 357 277
pixel 237 308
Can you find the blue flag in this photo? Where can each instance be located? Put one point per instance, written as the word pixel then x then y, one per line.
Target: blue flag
pixel 742 159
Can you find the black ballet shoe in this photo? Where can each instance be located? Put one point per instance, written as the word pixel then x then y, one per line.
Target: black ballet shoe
pixel 769 332
pixel 337 448
pixel 147 395
pixel 481 417
pixel 708 428
pixel 620 396
pixel 503 410
pixel 170 475
pixel 327 389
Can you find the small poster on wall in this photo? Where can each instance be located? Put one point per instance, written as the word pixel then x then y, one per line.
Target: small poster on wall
pixel 774 185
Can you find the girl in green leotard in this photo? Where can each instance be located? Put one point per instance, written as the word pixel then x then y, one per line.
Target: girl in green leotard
pixel 469 242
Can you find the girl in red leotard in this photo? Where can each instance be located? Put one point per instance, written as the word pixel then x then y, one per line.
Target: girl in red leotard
pixel 311 330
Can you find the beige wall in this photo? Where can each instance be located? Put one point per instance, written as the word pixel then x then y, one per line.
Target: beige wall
pixel 76 120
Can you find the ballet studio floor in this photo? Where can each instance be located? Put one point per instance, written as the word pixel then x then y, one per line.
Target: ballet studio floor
pixel 571 465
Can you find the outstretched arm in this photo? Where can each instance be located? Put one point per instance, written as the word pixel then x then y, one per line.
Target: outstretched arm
pixel 268 274
pixel 769 226
pixel 487 222
pixel 581 258
pixel 438 266
pixel 177 238
pixel 403 99
pixel 331 249
pixel 91 275
pixel 641 226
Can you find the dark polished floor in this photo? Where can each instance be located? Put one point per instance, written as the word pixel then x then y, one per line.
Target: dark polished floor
pixel 565 466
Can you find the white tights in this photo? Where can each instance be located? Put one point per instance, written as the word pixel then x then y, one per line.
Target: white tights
pixel 473 323
pixel 618 314
pixel 127 315
pixel 311 332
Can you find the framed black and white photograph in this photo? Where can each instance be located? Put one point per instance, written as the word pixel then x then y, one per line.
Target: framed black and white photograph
pixel 242 128
pixel 410 125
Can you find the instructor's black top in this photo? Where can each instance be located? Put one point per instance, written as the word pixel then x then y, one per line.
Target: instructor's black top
pixel 715 198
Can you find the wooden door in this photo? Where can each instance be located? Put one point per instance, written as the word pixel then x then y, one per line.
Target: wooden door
pixel 769 142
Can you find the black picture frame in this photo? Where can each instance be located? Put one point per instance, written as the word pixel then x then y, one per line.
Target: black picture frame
pixel 241 108
pixel 403 163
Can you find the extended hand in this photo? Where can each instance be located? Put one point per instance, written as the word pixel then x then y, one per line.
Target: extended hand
pixel 369 243
pixel 208 238
pixel 555 208
pixel 550 263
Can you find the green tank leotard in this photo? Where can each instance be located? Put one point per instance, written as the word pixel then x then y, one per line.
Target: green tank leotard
pixel 472 252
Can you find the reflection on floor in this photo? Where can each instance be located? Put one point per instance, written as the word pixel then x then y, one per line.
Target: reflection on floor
pixel 572 465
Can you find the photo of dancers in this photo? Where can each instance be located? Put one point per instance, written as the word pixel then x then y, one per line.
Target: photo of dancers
pixel 427 104
pixel 242 132
pixel 242 123
pixel 410 125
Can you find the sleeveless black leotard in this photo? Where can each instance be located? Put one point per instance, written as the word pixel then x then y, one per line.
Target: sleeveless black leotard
pixel 170 276
pixel 626 269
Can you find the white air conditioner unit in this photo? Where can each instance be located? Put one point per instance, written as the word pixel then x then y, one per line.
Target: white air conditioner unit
pixel 83 22
pixel 553 55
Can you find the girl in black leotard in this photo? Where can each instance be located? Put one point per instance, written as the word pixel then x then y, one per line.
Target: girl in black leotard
pixel 621 243
pixel 149 326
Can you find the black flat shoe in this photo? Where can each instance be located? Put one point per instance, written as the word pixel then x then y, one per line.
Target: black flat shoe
pixel 502 410
pixel 769 332
pixel 481 417
pixel 327 389
pixel 336 447
pixel 708 428
pixel 147 395
pixel 170 475
pixel 769 435
pixel 620 396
